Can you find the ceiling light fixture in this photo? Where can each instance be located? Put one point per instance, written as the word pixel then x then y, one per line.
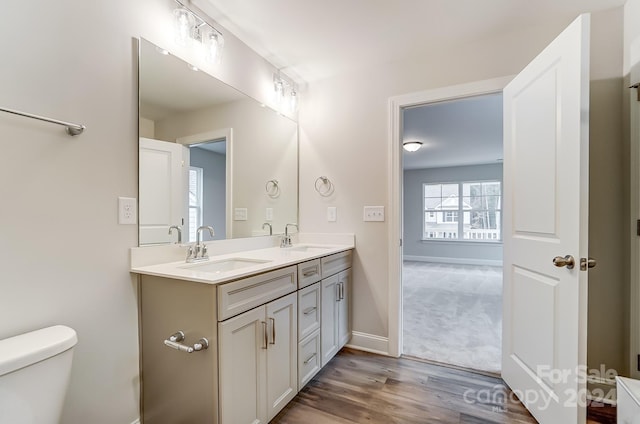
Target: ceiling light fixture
pixel 192 29
pixel 412 146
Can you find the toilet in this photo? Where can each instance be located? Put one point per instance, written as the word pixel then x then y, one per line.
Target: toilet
pixel 34 375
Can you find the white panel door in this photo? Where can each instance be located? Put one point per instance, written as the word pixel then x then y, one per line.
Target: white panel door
pixel 546 157
pixel 162 189
pixel 243 364
pixel 282 353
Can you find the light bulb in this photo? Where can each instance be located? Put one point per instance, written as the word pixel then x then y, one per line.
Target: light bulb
pixel 278 86
pixel 213 43
pixel 183 22
pixel 293 101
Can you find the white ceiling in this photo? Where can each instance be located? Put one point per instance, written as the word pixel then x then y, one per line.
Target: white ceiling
pixel 454 133
pixel 311 40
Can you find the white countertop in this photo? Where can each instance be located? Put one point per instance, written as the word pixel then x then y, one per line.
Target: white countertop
pixel 277 258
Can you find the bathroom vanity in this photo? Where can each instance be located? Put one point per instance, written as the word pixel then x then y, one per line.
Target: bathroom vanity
pixel 272 319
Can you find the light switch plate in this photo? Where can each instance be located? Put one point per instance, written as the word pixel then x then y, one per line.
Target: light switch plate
pixel 374 213
pixel 127 211
pixel 268 215
pixel 332 214
pixel 240 214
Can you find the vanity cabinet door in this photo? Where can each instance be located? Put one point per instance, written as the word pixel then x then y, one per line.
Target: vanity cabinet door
pixel 329 313
pixel 344 321
pixel 335 311
pixel 243 368
pixel 282 353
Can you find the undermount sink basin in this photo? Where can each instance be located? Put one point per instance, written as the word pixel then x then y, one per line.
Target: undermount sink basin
pixel 224 265
pixel 309 248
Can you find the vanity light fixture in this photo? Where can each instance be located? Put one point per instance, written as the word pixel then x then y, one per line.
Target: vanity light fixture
pixel 286 94
pixel 192 29
pixel 412 146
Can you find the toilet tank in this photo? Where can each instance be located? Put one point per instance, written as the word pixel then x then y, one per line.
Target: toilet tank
pixel 34 375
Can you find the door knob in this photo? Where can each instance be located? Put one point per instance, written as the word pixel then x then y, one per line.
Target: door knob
pixel 587 263
pixel 567 261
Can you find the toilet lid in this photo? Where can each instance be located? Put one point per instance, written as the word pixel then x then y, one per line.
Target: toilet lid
pixel 25 349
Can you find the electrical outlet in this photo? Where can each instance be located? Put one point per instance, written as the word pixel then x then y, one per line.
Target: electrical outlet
pixel 127 211
pixel 240 214
pixel 268 215
pixel 374 213
pixel 332 214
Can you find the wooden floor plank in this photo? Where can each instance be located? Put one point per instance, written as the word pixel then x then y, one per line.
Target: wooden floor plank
pixel 360 387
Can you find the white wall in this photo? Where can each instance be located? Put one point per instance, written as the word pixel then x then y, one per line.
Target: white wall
pixel 631 109
pixel 608 164
pixel 64 257
pixel 413 246
pixel 344 133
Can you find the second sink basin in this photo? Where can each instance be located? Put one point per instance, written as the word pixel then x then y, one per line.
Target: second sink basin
pixel 224 265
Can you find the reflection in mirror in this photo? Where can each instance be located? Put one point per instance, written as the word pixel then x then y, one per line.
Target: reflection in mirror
pixel 208 156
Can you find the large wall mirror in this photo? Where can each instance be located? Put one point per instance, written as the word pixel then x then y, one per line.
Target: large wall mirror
pixel 209 155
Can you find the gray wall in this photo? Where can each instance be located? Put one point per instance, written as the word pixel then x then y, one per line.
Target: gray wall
pixel 213 189
pixel 446 251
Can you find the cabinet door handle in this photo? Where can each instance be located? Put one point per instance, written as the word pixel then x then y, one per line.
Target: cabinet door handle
pixel 337 292
pixel 308 273
pixel 341 291
pixel 309 310
pixel 310 358
pixel 266 336
pixel 273 330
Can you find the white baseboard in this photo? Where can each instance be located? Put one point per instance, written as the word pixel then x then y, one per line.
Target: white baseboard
pixel 369 343
pixel 136 421
pixel 457 261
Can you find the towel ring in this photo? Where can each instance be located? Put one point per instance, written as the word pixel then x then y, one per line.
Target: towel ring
pixel 272 188
pixel 324 186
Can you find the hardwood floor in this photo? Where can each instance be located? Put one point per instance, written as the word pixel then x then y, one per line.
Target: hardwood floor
pixel 359 387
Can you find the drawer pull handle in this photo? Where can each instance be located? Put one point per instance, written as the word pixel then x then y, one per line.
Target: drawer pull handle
pixel 266 336
pixel 309 310
pixel 310 359
pixel 309 273
pixel 273 330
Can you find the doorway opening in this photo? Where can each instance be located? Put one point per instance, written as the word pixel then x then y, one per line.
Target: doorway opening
pixel 452 232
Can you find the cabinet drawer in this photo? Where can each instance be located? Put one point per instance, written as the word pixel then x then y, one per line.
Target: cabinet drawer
pixel 308 273
pixel 308 310
pixel 308 359
pixel 240 296
pixel 333 264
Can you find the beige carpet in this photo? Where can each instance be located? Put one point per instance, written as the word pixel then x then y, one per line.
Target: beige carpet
pixel 453 314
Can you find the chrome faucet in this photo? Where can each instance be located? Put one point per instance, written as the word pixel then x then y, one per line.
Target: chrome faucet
pixel 266 224
pixel 198 252
pixel 286 239
pixel 177 227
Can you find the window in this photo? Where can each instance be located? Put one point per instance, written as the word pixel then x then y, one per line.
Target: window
pixel 195 201
pixel 463 211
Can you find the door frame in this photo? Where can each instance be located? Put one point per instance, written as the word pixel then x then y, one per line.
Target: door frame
pixel 395 186
pixel 227 134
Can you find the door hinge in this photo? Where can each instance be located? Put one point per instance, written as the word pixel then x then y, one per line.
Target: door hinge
pixel 638 227
pixel 638 234
pixel 638 363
